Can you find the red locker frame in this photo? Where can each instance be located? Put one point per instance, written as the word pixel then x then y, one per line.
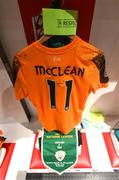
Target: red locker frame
pixel 31 8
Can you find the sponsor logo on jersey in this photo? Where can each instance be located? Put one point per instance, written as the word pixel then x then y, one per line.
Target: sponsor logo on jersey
pixel 59 71
pixel 56 59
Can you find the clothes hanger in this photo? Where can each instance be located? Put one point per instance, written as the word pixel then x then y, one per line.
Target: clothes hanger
pixel 56 40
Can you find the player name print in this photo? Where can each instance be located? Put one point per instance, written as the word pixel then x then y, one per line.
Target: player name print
pixel 59 71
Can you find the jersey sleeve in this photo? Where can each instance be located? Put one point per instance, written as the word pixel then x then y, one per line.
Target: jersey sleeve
pixel 20 84
pixel 97 77
pixel 100 78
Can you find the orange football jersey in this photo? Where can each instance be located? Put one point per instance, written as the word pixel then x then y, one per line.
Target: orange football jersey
pixel 59 80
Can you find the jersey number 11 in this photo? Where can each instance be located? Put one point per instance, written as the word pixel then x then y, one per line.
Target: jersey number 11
pixel 53 93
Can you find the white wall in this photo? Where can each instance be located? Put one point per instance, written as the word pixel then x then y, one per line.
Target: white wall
pixel 104 35
pixel 11 28
pixel 10 109
pixel 12 33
